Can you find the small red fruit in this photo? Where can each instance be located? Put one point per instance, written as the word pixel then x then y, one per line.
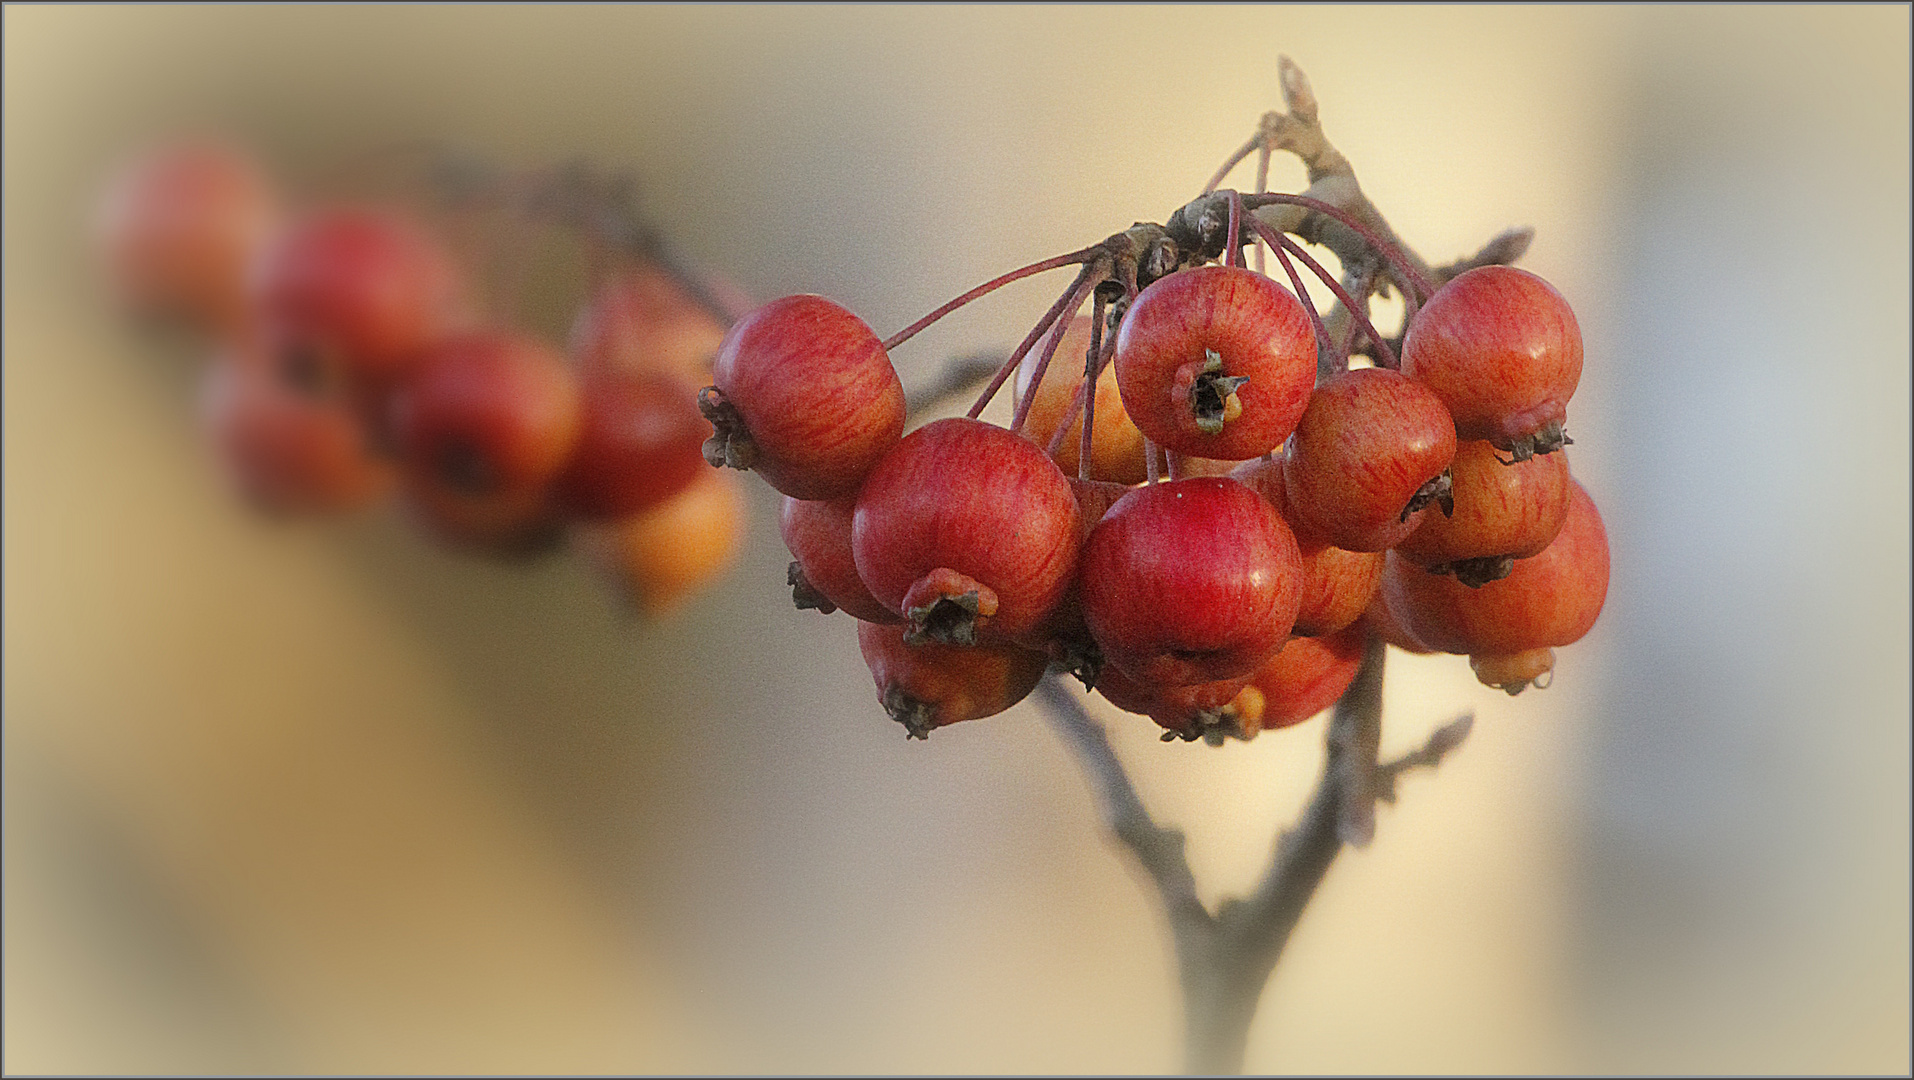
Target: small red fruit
pixel 1307 676
pixel 964 527
pixel 805 395
pixel 824 575
pixel 1190 581
pixel 288 451
pixel 660 558
pixel 1503 511
pixel 1337 584
pixel 483 429
pixel 176 228
pixel 1501 348
pixel 1207 711
pixel 643 320
pixel 366 291
pixel 1216 362
pixel 1550 599
pixel 1367 459
pixel 931 686
pixel 639 443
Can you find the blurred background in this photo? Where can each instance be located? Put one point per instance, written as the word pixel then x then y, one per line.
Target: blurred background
pixel 322 797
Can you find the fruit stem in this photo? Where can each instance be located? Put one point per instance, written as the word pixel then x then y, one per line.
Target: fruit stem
pixel 1086 284
pixel 1092 370
pixel 1276 239
pixel 1256 140
pixel 1074 292
pixel 1325 355
pixel 1387 250
pixel 1072 259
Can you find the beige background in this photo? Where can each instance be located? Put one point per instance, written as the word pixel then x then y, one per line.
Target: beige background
pixel 320 797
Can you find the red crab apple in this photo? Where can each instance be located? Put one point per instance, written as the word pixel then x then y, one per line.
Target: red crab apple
pixel 286 450
pixel 177 227
pixel 483 428
pixel 804 394
pixel 1337 584
pixel 824 574
pixel 362 290
pixel 1190 581
pixel 1548 600
pixel 1504 511
pixel 1501 348
pixel 1116 446
pixel 639 443
pixel 1306 677
pixel 964 528
pixel 931 686
pixel 1200 711
pixel 1367 461
pixel 1216 362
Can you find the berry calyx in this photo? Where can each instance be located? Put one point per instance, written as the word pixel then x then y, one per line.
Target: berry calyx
pixel 824 576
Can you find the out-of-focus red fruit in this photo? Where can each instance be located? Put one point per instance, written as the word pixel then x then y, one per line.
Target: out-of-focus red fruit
pixel 931 686
pixel 1116 446
pixel 1216 362
pixel 824 575
pixel 1190 581
pixel 1206 711
pixel 1383 622
pixel 1501 348
pixel 965 528
pixel 364 290
pixel 1366 464
pixel 1503 512
pixel 804 394
pixel 661 557
pixel 642 320
pixel 1307 676
pixel 1550 599
pixel 483 429
pixel 176 228
pixel 288 451
pixel 640 442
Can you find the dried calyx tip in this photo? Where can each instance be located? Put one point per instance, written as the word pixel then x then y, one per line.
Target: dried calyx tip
pixel 1547 440
pixel 1476 573
pixel 730 443
pixel 804 594
pixel 1440 490
pixel 915 715
pixel 1213 400
pixel 947 620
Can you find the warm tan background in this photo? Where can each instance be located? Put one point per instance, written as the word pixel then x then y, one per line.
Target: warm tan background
pixel 319 797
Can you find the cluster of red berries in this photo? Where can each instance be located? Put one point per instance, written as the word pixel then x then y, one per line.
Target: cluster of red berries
pixel 1246 508
pixel 353 359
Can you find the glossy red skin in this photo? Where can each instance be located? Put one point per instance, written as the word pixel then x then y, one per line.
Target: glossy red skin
pixel 817 393
pixel 1500 509
pixel 1254 324
pixel 1369 439
pixel 1551 599
pixel 505 402
pixel 643 320
pixel 288 452
pixel 1174 708
pixel 1307 676
pixel 640 441
pixel 367 289
pixel 966 496
pixel 818 535
pixel 177 227
pixel 1501 348
pixel 1190 581
pixel 958 682
pixel 1337 584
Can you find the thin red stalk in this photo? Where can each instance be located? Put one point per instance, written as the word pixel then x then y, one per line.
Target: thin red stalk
pixel 1010 365
pixel 1263 233
pixel 1092 367
pixel 1385 248
pixel 1262 185
pixel 1233 249
pixel 1149 460
pixel 1238 156
pixel 1077 400
pixel 1175 462
pixel 1072 259
pixel 1064 319
pixel 1388 358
